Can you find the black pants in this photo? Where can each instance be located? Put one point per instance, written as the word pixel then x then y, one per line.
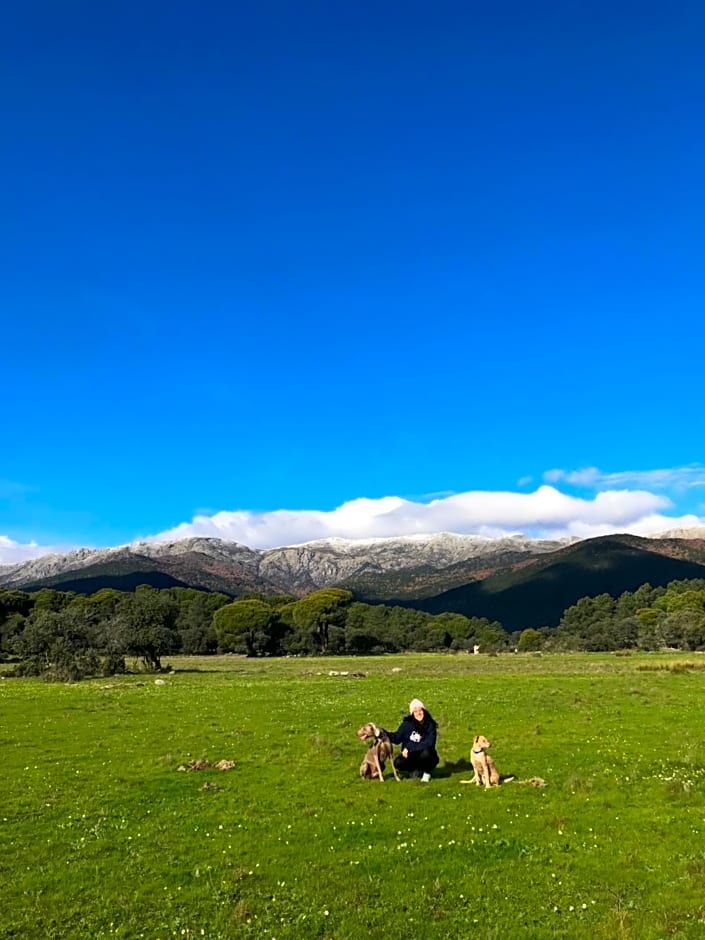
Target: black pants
pixel 418 761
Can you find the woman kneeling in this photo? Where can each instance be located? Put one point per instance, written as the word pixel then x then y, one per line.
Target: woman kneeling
pixel 417 737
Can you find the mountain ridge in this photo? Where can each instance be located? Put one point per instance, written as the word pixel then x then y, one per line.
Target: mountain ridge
pixel 406 569
pixel 537 594
pixel 219 564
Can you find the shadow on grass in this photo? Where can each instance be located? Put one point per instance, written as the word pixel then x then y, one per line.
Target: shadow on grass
pixel 186 670
pixel 464 767
pixel 215 669
pixel 451 768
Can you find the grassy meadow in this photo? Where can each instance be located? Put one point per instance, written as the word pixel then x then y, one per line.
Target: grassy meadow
pixel 101 835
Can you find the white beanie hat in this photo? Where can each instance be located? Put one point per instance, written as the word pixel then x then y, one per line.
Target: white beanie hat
pixel 414 704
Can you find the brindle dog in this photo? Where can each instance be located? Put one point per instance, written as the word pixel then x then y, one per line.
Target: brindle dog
pixel 378 752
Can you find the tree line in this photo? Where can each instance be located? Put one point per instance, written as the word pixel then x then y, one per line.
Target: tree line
pixel 65 636
pixel 649 618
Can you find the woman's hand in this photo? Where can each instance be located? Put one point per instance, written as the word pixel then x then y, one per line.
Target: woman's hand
pixel 405 752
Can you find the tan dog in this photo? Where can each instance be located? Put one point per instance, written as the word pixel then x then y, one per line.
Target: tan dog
pixel 485 771
pixel 380 750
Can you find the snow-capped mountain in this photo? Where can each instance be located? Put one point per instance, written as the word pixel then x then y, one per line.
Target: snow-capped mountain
pixel 219 564
pixel 694 532
pixel 405 568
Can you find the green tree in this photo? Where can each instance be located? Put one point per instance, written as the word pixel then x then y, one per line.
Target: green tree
pixel 530 640
pixel 146 622
pixel 315 614
pixel 630 602
pixel 650 635
pixel 625 633
pixel 195 620
pixel 406 626
pixel 457 627
pixel 14 602
pixel 106 602
pixel 58 644
pixel 367 629
pixel 245 626
pixel 430 635
pixel 687 599
pixel 684 628
pixel 589 621
pixel 15 606
pixel 491 637
pixel 49 599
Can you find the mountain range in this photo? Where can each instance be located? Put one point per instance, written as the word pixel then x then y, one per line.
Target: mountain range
pixel 410 566
pixel 517 580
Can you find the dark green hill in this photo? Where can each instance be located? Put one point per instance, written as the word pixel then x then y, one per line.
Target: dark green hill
pixel 123 574
pixel 119 582
pixel 126 572
pixel 424 581
pixel 537 594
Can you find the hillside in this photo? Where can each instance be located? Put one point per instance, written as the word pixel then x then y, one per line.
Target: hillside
pixel 518 581
pixel 538 593
pixel 409 567
pixel 123 574
pixel 125 570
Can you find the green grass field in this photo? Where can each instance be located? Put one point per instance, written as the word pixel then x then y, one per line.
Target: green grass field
pixel 102 836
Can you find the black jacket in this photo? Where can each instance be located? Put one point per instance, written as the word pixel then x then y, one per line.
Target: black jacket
pixel 415 735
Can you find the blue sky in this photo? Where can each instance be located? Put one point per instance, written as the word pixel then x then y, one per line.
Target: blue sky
pixel 276 271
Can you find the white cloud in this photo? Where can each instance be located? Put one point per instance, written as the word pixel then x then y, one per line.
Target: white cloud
pixel 639 502
pixel 12 553
pixel 544 513
pixel 675 479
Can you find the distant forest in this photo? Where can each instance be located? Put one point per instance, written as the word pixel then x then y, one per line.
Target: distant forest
pixel 66 636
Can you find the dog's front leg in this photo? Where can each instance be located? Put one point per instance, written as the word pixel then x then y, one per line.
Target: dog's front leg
pixel 378 765
pixel 486 773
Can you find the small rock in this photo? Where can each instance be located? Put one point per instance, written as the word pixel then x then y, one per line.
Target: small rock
pixel 225 765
